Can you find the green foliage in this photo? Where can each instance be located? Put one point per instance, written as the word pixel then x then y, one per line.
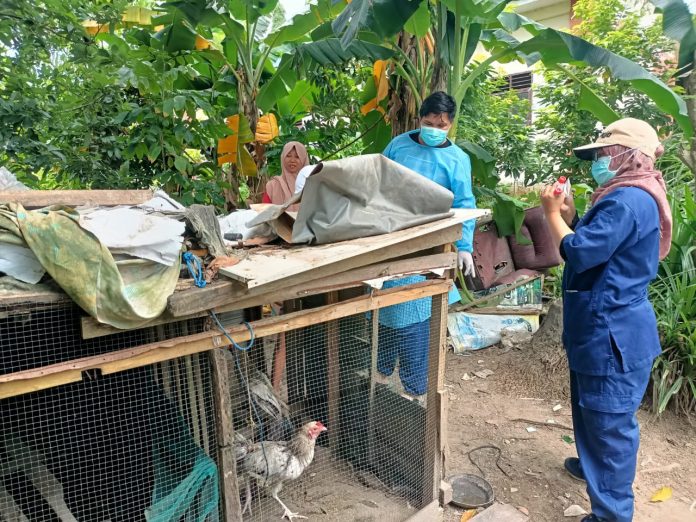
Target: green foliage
pixel 561 124
pixel 118 110
pixel 497 121
pixel 333 121
pixel 674 298
pixel 674 373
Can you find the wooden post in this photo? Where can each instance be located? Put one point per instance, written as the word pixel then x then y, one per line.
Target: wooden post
pixel 293 365
pixel 432 463
pixel 227 466
pixel 373 382
pixel 334 376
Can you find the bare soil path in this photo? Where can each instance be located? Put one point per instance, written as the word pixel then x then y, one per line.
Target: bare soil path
pixel 483 412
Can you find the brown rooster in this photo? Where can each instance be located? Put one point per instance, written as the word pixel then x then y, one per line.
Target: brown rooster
pixel 272 463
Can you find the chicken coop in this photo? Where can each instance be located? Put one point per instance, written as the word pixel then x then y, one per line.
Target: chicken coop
pixel 278 389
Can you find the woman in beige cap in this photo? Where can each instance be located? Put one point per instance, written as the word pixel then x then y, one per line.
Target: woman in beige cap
pixel 609 327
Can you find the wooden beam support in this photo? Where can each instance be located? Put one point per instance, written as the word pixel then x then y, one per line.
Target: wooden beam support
pixel 196 300
pixel 91 328
pixel 334 376
pixel 432 456
pixel 227 465
pixel 49 376
pixel 74 198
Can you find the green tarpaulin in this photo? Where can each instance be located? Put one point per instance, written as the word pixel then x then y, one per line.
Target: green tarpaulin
pixel 124 293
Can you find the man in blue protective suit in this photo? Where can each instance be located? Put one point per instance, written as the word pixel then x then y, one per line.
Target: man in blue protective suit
pixel 609 327
pixel 404 328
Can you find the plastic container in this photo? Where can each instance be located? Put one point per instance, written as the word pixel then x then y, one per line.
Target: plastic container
pixel 563 186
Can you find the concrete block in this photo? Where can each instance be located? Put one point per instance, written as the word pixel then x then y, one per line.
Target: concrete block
pixel 500 513
pixel 445 493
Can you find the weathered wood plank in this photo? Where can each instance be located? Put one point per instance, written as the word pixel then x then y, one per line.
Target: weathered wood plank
pixel 29 380
pixel 194 300
pixel 44 198
pixel 91 328
pixel 275 266
pixel 227 466
pixel 497 293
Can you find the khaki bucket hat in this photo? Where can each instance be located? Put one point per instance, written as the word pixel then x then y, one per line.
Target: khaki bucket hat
pixel 629 132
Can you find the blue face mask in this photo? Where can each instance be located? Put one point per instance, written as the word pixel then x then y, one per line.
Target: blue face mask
pixel 601 172
pixel 432 137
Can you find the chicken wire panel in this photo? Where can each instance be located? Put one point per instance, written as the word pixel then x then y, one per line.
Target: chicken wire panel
pixel 132 446
pixel 370 463
pixel 35 335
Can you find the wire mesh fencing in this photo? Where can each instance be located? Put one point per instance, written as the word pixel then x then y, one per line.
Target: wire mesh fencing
pixel 329 421
pixel 132 446
pixel 365 381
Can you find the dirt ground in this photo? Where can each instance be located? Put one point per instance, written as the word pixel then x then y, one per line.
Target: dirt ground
pixel 483 412
pixel 330 491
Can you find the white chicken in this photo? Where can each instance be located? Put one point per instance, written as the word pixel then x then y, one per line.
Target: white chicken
pixel 272 463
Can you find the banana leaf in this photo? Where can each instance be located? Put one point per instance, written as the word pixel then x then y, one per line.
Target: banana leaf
pixel 385 18
pixel 331 52
pixel 278 86
pixel 303 24
pixel 481 9
pixel 555 47
pixel 678 24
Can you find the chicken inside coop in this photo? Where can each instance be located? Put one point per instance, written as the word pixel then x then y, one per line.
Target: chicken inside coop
pixel 272 463
pixel 369 468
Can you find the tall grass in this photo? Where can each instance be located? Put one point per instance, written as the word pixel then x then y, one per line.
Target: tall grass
pixel 674 298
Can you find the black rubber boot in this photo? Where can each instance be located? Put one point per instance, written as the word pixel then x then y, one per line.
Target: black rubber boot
pixel 572 466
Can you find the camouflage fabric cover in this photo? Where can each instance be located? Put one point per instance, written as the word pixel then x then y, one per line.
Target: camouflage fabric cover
pixel 124 293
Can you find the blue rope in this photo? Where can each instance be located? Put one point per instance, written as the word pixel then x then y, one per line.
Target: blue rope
pixel 243 379
pixel 249 345
pixel 195 268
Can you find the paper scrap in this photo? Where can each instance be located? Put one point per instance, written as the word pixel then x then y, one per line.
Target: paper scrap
pixel 482 374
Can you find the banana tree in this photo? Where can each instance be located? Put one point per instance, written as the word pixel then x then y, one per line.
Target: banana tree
pixel 457 28
pixel 259 55
pixel 678 24
pixel 460 26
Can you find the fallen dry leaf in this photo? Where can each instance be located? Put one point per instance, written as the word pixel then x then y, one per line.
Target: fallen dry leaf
pixel 662 495
pixel 467 515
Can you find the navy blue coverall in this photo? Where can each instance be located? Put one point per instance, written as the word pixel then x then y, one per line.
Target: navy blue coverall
pixel 611 339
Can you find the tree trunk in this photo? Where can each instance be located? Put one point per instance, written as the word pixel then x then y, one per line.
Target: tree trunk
pixel 403 106
pixel 440 75
pixel 247 106
pixel 441 68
